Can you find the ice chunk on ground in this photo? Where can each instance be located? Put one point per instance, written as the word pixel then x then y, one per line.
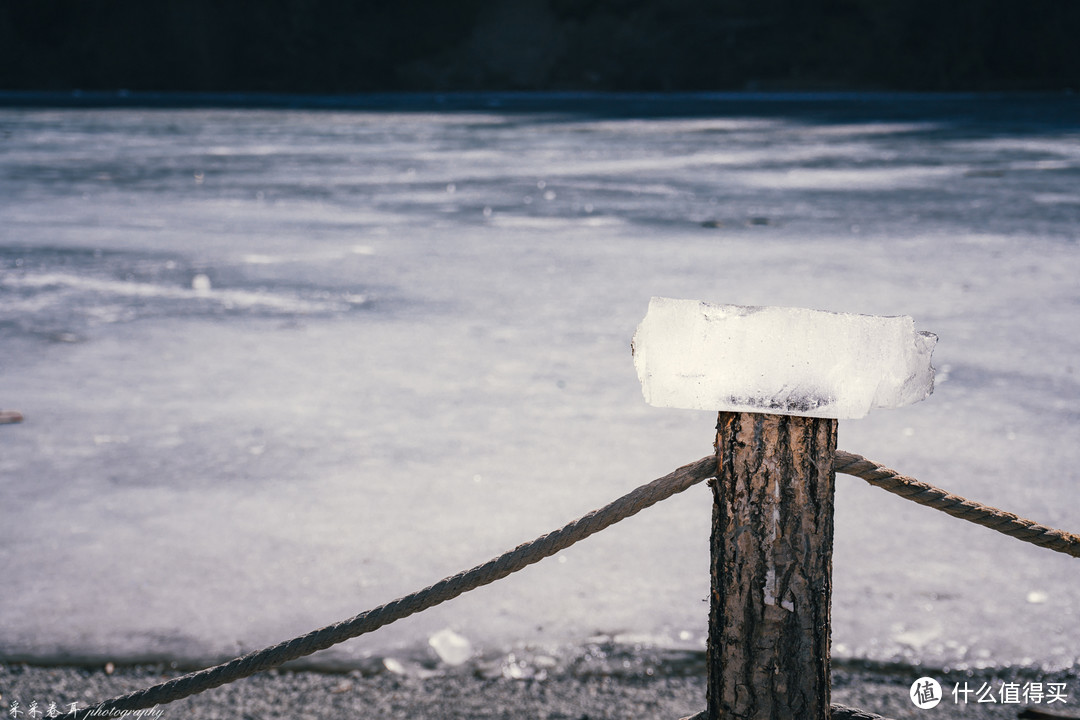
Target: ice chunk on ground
pixel 394 666
pixel 791 361
pixel 452 649
pixel 200 284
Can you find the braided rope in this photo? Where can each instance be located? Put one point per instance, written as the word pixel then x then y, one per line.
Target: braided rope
pixel 447 589
pixel 925 494
pixel 552 543
pixel 843 712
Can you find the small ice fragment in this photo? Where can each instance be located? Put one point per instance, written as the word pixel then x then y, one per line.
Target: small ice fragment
pixel 1037 597
pixel 452 649
pixel 250 259
pixel 917 639
pixel 545 662
pixel 790 361
pixel 393 666
pixel 200 284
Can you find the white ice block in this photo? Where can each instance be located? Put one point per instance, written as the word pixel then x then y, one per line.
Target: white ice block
pixel 790 361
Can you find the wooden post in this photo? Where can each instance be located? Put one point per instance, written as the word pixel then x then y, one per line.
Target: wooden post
pixel 772 532
pixel 780 377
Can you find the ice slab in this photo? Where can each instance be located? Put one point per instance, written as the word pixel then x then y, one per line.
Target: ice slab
pixel 790 361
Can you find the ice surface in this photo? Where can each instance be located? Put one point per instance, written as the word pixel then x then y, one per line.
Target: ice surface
pixel 275 439
pixel 791 361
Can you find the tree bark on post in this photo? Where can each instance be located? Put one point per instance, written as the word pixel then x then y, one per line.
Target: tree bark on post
pixel 772 534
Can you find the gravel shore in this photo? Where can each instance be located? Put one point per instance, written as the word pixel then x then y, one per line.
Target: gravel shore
pixel 465 693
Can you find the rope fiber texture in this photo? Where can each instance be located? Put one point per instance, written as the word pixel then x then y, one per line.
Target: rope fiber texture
pixel 925 494
pixel 843 712
pixel 447 589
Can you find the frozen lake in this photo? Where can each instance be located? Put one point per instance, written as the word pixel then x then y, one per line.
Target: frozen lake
pixel 279 366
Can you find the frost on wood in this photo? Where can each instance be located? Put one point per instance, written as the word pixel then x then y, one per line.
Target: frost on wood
pixel 788 361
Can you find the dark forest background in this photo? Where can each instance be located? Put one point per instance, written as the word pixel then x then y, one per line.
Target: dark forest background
pixel 332 46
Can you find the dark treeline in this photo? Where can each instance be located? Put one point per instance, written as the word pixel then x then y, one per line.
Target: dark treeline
pixel 334 46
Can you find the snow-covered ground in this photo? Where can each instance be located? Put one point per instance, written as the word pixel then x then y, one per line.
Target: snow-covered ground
pixel 281 366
